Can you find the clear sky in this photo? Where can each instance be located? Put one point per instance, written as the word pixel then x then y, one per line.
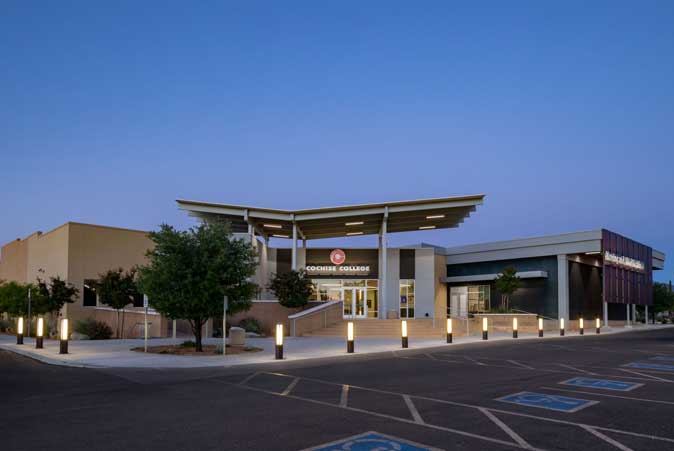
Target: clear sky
pixel 562 113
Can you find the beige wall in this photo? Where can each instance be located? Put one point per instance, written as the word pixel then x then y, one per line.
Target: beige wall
pixel 14 261
pixel 440 287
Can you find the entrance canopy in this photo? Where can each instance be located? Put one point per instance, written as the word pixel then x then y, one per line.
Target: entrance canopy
pixel 333 222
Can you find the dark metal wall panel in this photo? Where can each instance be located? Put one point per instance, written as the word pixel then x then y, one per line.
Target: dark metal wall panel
pixel 354 257
pixel 283 260
pixel 407 265
pixel 623 285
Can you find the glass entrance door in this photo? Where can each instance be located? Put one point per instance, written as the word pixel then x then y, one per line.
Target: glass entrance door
pixel 354 302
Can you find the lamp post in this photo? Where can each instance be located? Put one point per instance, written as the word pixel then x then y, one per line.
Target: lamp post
pixel 598 325
pixel 405 343
pixel 580 324
pixel 449 330
pixel 514 327
pixel 19 331
pixel 39 337
pixel 64 337
pixel 349 337
pixel 540 327
pixel 485 328
pixel 279 342
pixel 561 327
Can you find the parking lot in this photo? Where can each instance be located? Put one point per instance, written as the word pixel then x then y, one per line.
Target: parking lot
pixel 591 392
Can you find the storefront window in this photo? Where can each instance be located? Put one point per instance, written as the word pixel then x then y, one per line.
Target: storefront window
pixel 407 298
pixel 478 298
pixel 360 296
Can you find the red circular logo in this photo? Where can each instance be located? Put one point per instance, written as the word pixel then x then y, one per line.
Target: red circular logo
pixel 337 257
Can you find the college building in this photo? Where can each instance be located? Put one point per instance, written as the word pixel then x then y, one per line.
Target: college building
pixel 583 274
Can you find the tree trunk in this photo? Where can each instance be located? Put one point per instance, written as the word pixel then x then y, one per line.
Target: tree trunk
pixel 122 323
pixel 118 324
pixel 196 330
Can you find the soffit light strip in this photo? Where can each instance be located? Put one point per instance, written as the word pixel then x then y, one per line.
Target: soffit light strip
pixel 280 236
pixel 435 217
pixel 426 227
pixel 354 223
pixel 273 226
pixel 354 233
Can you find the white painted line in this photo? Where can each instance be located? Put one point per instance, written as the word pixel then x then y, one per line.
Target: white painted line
pixel 470 359
pixel 515 362
pixel 606 438
pixel 430 356
pixel 290 387
pixel 577 369
pixel 513 435
pixel 248 378
pixel 344 397
pixel 650 376
pixel 355 438
pixel 630 398
pixel 413 410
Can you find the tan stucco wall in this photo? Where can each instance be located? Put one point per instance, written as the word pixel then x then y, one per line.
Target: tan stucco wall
pixel 14 261
pixel 440 287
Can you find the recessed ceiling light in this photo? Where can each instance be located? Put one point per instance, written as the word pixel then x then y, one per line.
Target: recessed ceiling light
pixel 354 223
pixel 280 236
pixel 354 233
pixel 274 226
pixel 426 227
pixel 435 217
pixel 592 253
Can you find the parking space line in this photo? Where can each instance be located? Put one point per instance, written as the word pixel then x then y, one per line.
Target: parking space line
pixel 248 378
pixel 290 387
pixel 344 396
pixel 607 395
pixel 513 435
pixel 413 409
pixel 606 438
pixel 577 369
pixel 470 359
pixel 649 376
pixel 430 356
pixel 515 362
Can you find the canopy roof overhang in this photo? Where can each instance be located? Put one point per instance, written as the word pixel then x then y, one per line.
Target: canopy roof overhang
pixel 333 222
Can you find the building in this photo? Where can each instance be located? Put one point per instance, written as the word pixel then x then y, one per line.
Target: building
pixel 79 253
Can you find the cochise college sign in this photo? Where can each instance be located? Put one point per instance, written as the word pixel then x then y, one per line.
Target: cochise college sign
pixel 625 262
pixel 337 258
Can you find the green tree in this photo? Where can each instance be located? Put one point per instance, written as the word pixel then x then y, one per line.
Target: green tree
pixel 507 283
pixel 190 272
pixel 116 289
pixel 14 298
pixel 50 298
pixel 663 299
pixel 292 289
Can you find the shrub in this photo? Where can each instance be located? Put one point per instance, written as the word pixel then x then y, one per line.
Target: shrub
pixel 6 326
pixel 250 324
pixel 95 330
pixel 188 344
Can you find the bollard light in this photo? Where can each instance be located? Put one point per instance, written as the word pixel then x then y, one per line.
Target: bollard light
pixel 485 328
pixel 580 324
pixel 39 337
pixel 404 334
pixel 540 327
pixel 561 327
pixel 598 325
pixel 19 331
pixel 514 327
pixel 349 337
pixel 449 330
pixel 64 336
pixel 279 342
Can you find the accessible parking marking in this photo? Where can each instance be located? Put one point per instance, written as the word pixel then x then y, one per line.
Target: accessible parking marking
pixel 650 366
pixel 663 358
pixel 549 402
pixel 602 384
pixel 372 441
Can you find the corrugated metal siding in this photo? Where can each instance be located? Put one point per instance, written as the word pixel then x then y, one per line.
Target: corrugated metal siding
pixel 623 285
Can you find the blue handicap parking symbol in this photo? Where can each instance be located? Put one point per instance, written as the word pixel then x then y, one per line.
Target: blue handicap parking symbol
pixel 664 358
pixel 550 402
pixel 602 384
pixel 370 441
pixel 650 366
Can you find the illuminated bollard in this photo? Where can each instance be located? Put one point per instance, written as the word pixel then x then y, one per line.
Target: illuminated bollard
pixel 485 328
pixel 540 327
pixel 580 324
pixel 514 327
pixel 349 337
pixel 19 331
pixel 39 337
pixel 64 337
pixel 279 342
pixel 449 330
pixel 561 327
pixel 404 334
pixel 598 325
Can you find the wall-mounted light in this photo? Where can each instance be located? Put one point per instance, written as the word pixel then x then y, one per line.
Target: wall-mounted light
pixel 349 337
pixel 449 330
pixel 580 324
pixel 19 331
pixel 514 327
pixel 404 333
pixel 426 227
pixel 39 337
pixel 485 328
pixel 540 327
pixel 64 337
pixel 561 327
pixel 435 216
pixel 355 223
pixel 598 325
pixel 279 341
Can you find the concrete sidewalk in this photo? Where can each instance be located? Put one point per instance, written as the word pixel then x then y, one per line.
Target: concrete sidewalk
pixel 118 354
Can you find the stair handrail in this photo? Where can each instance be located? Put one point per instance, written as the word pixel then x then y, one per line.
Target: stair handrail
pixel 311 311
pixel 532 313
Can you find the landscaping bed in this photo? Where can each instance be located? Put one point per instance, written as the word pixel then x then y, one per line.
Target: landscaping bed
pixel 189 349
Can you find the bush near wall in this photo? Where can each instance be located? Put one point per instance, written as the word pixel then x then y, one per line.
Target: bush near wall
pixel 95 330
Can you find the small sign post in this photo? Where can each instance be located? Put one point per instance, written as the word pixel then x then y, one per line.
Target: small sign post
pixel 146 304
pixel 225 305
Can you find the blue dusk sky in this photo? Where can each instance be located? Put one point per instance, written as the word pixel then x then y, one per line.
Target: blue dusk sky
pixel 562 113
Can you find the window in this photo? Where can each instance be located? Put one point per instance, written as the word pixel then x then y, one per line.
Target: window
pixel 407 298
pixel 478 298
pixel 89 293
pixel 137 300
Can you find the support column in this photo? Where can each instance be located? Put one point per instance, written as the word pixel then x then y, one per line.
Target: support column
pixel 627 321
pixel 634 313
pixel 304 243
pixel 294 251
pixel 645 314
pixel 563 287
pixel 383 277
pixel 605 314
